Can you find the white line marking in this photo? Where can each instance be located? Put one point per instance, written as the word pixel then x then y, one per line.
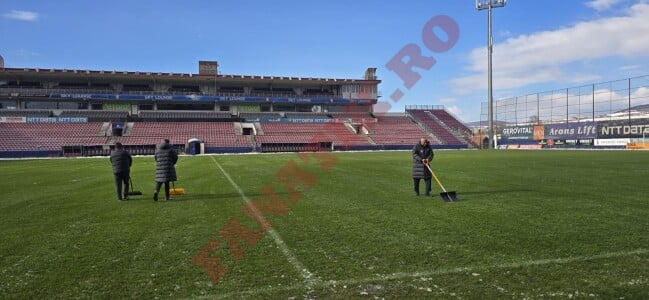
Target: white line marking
pixel 292 259
pixel 403 275
pixel 529 263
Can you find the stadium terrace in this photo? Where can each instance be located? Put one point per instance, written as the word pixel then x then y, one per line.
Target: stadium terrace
pixel 60 112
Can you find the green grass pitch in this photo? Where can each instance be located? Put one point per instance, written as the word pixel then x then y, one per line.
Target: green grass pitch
pixel 530 224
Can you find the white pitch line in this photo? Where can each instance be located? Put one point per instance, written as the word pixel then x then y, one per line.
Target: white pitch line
pixel 292 259
pixel 403 275
pixel 529 263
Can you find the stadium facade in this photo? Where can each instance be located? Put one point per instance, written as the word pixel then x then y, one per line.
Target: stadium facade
pixel 54 112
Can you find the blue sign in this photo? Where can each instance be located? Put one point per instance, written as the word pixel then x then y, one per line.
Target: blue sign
pixel 255 99
pixel 56 120
pixel 290 120
pixel 517 132
pixel 636 128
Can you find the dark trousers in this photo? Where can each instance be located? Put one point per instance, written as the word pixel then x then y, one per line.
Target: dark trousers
pixel 121 179
pixel 159 184
pixel 426 181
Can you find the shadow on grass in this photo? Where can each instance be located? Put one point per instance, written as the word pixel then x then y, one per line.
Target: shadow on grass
pixel 208 197
pixel 489 192
pixel 204 197
pixel 475 195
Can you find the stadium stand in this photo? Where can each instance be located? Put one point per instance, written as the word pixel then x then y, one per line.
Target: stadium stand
pixel 48 136
pixel 457 128
pixel 395 130
pixel 434 126
pixel 354 117
pixel 449 120
pixel 224 113
pixel 335 133
pixel 25 113
pixel 213 134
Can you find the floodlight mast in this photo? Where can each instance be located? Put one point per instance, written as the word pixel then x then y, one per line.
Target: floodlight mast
pixel 488 5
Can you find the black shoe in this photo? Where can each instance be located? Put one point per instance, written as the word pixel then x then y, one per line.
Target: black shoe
pixel 427 194
pixel 416 194
pixel 119 199
pixel 155 196
pixel 125 198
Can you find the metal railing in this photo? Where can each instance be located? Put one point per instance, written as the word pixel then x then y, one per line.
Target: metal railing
pixel 424 107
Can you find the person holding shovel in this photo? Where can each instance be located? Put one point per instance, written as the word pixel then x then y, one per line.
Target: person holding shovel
pixel 422 154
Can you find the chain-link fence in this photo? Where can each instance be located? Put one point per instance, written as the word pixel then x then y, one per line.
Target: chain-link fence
pixel 612 100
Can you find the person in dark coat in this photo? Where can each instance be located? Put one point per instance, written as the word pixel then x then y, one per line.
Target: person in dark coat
pixel 422 154
pixel 165 170
pixel 121 161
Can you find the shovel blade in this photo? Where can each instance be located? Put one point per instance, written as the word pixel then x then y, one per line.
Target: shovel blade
pixel 449 196
pixel 177 191
pixel 134 193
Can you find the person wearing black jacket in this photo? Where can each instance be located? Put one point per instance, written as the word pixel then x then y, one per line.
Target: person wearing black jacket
pixel 422 154
pixel 165 170
pixel 121 161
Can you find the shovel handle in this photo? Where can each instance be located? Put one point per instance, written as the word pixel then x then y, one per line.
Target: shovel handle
pixel 438 182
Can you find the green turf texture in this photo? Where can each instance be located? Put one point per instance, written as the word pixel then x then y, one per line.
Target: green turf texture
pixel 530 224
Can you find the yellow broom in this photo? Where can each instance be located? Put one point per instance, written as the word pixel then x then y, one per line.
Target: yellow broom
pixel 176 191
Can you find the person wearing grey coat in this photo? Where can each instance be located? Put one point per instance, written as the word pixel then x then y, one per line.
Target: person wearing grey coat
pixel 422 154
pixel 121 161
pixel 165 170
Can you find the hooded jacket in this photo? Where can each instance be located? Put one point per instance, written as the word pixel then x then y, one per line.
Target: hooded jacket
pixel 166 159
pixel 420 153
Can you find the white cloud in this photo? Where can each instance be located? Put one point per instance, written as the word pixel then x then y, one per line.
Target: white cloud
pixel 601 5
pixel 22 15
pixel 447 100
pixel 504 33
pixel 541 56
pixel 630 67
pixel 455 110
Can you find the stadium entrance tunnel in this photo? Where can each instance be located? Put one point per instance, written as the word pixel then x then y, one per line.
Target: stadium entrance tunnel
pixel 117 128
pixel 485 143
pixel 195 146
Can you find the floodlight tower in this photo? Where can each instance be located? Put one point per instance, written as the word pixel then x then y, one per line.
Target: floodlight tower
pixel 488 5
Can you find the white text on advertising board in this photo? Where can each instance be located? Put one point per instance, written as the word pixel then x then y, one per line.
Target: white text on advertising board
pixel 581 130
pixel 628 129
pixel 517 130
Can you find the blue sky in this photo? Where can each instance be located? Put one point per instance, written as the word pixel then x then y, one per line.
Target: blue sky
pixel 538 45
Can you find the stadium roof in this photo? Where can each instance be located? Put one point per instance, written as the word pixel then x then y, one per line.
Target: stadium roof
pixel 58 74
